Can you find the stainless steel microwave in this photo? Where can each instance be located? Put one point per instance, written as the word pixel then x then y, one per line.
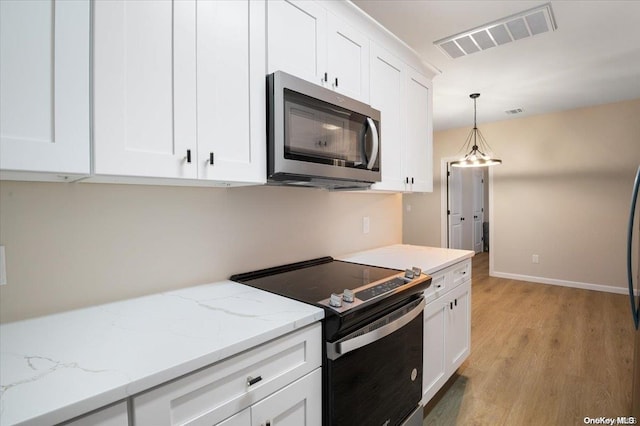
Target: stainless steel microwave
pixel 320 138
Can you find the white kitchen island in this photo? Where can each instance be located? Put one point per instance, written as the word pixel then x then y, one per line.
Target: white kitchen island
pixel 60 366
pixel 447 314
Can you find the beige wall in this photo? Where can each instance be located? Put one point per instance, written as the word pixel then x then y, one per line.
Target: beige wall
pixel 78 244
pixel 562 192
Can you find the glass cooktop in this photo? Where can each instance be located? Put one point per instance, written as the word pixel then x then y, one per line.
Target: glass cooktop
pixel 314 280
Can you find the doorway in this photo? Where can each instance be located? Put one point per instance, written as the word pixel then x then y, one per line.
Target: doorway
pixel 465 208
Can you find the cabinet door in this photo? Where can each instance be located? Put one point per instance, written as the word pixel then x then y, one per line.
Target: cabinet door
pixel 231 91
pixel 458 325
pixel 386 96
pixel 419 153
pixel 44 86
pixel 347 59
pixel 434 373
pixel 296 36
pixel 299 404
pixel 145 88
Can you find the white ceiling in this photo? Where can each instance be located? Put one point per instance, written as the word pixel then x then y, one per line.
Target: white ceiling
pixel 592 58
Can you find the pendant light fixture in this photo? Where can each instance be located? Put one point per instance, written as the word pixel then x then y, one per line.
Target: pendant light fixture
pixel 480 154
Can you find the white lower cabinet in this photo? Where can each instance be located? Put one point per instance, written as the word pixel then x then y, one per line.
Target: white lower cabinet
pixel 447 326
pixel 280 381
pixel 114 415
pixel 299 404
pixel 243 418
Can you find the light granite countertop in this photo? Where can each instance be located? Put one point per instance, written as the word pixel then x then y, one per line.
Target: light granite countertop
pixel 56 367
pixel 403 256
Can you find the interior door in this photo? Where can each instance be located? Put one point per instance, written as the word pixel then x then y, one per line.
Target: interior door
pixel 455 207
pixel 478 209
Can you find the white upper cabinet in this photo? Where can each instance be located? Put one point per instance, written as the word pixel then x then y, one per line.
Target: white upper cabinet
pixel 307 41
pixel 387 81
pixel 178 84
pixel 44 89
pixel 145 88
pixel 231 91
pixel 296 37
pixel 404 99
pixel 347 60
pixel 418 161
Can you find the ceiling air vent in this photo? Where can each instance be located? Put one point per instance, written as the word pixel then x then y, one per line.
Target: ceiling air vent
pixel 514 111
pixel 515 27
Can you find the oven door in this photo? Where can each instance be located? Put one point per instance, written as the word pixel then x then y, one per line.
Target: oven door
pixel 374 375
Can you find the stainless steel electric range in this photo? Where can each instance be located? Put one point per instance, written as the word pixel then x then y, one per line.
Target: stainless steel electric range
pixel 373 332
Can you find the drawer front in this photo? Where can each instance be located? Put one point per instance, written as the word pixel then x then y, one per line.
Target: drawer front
pixel 447 279
pixel 115 415
pixel 437 288
pixel 460 273
pixel 214 393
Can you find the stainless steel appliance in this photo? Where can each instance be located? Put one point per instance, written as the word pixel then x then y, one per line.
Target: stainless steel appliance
pixel 635 302
pixel 320 138
pixel 373 331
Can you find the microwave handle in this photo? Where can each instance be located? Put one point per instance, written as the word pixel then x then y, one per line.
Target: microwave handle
pixel 376 143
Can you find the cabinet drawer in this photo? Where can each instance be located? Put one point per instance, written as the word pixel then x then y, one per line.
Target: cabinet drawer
pixel 460 273
pixel 214 393
pixel 447 279
pixel 115 415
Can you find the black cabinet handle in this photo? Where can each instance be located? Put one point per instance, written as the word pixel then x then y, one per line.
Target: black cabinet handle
pixel 411 181
pixel 336 81
pixel 188 156
pixel 253 380
pixel 211 158
pixel 455 302
pixel 450 305
pixel 406 180
pixel 326 77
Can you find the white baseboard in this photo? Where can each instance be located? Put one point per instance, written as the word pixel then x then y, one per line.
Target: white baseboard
pixel 563 283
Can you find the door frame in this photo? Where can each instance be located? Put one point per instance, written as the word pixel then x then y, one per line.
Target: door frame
pixel 444 195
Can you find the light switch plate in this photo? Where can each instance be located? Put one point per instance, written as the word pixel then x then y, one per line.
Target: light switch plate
pixel 3 267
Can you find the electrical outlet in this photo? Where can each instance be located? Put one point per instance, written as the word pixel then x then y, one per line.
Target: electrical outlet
pixel 365 225
pixel 535 259
pixel 3 267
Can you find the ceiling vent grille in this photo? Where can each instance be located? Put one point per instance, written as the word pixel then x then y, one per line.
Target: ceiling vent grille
pixel 515 27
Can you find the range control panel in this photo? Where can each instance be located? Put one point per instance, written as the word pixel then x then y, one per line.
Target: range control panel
pixel 350 299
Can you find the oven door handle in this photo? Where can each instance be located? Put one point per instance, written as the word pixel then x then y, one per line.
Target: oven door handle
pixel 337 349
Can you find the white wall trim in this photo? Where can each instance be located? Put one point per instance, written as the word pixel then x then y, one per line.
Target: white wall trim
pixel 562 283
pixel 443 200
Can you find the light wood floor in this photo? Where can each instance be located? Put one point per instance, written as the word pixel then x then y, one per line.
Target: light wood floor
pixel 540 355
